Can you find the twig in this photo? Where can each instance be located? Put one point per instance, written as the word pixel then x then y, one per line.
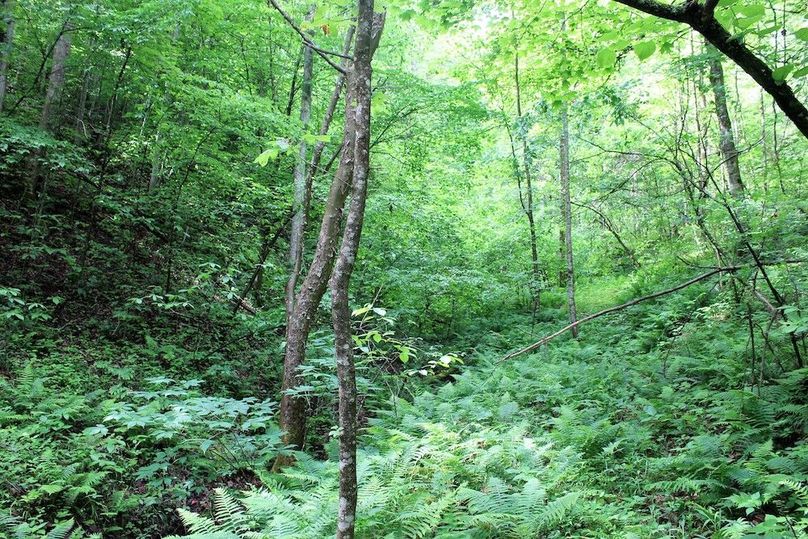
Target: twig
pixel 321 52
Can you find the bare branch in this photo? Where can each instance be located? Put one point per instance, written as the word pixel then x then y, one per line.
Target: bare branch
pixel 321 52
pixel 544 340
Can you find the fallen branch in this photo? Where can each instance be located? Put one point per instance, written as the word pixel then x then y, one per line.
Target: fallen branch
pixel 544 340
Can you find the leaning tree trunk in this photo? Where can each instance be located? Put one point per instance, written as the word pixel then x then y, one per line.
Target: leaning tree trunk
pixel 302 191
pixel 6 40
pixel 564 150
pixel 367 30
pixel 56 80
pixel 293 408
pixel 729 152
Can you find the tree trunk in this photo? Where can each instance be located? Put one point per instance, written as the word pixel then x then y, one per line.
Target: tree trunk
pixel 368 29
pixel 564 150
pixel 6 41
pixel 302 191
pixel 729 153
pixel 292 412
pixel 56 80
pixel 527 199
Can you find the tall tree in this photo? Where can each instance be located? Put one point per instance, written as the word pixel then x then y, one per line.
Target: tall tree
pixel 526 197
pixel 314 285
pixel 564 157
pixel 56 80
pixel 368 31
pixel 6 41
pixel 729 152
pixel 302 189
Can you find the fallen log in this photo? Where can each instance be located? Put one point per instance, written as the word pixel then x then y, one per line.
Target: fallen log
pixel 544 340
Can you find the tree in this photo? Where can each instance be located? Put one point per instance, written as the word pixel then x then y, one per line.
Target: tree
pixel 526 195
pixel 368 32
pixel 293 408
pixel 6 41
pixel 302 188
pixel 701 17
pixel 56 80
pixel 564 160
pixel 729 152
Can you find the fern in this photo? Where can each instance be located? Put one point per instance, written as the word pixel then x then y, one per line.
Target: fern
pixel 62 530
pixel 555 511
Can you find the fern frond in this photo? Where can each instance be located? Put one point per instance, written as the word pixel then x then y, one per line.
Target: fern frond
pixel 229 512
pixel 61 530
pixel 196 524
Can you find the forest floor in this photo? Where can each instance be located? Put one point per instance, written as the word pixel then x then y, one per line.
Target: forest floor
pixel 634 430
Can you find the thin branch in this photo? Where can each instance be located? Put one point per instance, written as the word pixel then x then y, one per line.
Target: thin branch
pixel 321 52
pixel 544 340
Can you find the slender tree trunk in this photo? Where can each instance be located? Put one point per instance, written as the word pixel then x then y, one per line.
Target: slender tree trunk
pixel 527 199
pixel 293 84
pixel 564 150
pixel 368 28
pixel 317 153
pixel 6 41
pixel 56 80
pixel 293 409
pixel 156 164
pixel 302 191
pixel 729 153
pixel 81 129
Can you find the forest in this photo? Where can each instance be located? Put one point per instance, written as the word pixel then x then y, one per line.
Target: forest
pixel 403 269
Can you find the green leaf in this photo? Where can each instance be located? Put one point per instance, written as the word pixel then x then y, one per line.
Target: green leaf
pixel 266 155
pixel 755 10
pixel 781 73
pixel 52 488
pixel 205 445
pixel 802 33
pixel 745 22
pixel 644 49
pixel 606 58
pixel 361 310
pixel 800 72
pixel 98 430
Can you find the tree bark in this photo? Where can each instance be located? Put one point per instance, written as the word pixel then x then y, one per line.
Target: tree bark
pixel 302 191
pixel 729 152
pixel 527 199
pixel 564 148
pixel 701 18
pixel 293 408
pixel 6 41
pixel 368 29
pixel 56 80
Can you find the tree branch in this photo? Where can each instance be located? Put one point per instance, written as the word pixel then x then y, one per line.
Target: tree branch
pixel 321 52
pixel 544 340
pixel 701 18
